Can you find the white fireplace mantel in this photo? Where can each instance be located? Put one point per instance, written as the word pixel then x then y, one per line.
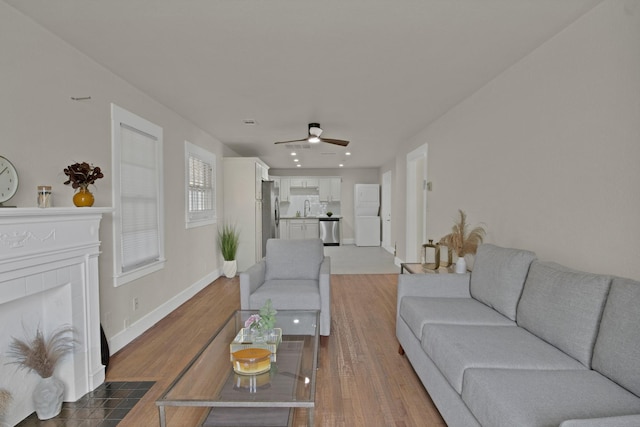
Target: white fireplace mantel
pixel 49 278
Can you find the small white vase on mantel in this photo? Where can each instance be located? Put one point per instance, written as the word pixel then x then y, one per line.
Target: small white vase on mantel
pixel 230 268
pixel 47 397
pixel 461 265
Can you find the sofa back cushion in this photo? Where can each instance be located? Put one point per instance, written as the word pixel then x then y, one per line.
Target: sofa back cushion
pixel 498 277
pixel 563 307
pixel 294 259
pixel 617 350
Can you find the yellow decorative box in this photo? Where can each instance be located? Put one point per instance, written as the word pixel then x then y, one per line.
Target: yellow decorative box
pixel 245 339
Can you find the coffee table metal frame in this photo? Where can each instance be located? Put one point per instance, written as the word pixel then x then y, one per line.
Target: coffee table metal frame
pixel 214 356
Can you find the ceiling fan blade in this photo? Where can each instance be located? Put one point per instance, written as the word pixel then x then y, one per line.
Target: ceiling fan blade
pixel 341 142
pixel 295 140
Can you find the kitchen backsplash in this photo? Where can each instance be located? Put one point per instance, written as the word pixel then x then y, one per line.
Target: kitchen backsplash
pixel 296 204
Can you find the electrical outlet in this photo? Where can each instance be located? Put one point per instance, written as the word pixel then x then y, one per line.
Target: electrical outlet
pixel 135 303
pixel 126 323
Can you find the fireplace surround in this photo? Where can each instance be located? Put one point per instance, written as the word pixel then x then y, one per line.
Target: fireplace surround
pixel 49 277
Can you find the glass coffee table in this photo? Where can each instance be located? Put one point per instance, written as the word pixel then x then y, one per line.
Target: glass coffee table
pixel 209 393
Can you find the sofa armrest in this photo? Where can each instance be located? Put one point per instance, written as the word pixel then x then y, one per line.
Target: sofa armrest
pixel 619 421
pixel 433 285
pixel 325 296
pixel 250 280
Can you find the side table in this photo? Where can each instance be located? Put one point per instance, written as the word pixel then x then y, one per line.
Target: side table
pixel 416 268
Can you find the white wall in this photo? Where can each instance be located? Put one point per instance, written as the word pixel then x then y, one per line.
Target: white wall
pixel 547 154
pixel 350 177
pixel 43 131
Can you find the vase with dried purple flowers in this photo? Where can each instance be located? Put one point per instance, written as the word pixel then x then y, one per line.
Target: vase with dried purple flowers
pixel 41 355
pixel 80 176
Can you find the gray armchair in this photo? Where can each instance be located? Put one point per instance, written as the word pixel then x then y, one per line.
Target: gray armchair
pixel 295 275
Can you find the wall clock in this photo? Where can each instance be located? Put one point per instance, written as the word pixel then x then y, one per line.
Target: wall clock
pixel 8 180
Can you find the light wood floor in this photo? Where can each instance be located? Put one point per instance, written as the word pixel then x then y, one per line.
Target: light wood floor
pixel 361 381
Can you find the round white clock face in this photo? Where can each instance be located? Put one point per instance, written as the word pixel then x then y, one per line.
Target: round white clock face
pixel 8 180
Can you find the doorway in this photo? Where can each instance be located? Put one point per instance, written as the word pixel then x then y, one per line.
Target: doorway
pixel 385 212
pixel 416 203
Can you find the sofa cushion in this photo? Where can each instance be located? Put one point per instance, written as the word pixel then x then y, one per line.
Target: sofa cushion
pixel 529 398
pixel 417 311
pixel 563 307
pixel 294 259
pixel 617 350
pixel 282 292
pixel 456 348
pixel 498 276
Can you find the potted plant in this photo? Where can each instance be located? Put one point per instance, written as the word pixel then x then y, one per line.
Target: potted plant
pixel 228 241
pixel 80 176
pixel 41 355
pixel 463 241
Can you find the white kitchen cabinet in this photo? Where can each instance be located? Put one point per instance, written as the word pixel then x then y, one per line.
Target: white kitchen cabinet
pixel 242 188
pixel 307 228
pixel 304 182
pixel 284 229
pixel 329 189
pixel 284 189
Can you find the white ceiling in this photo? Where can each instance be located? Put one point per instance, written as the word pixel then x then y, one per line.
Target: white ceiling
pixel 374 72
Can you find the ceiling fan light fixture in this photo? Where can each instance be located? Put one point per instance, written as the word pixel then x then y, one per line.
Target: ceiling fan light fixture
pixel 315 129
pixel 313 139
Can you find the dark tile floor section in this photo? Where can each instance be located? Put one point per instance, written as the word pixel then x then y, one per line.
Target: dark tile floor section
pixel 106 406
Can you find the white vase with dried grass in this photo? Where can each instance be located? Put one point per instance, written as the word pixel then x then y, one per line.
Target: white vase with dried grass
pixel 463 241
pixel 41 355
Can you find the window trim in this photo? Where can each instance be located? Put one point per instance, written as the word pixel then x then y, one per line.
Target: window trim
pixel 119 117
pixel 206 217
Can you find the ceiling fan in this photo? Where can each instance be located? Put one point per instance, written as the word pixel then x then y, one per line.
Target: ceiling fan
pixel 314 137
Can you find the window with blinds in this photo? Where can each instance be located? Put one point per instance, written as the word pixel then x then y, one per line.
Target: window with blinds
pixel 138 201
pixel 200 167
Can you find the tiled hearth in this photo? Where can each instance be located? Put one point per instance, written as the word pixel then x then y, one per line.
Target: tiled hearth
pixel 106 406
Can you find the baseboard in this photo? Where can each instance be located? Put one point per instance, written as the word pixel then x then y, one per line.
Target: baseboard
pixel 389 249
pixel 397 261
pixel 121 339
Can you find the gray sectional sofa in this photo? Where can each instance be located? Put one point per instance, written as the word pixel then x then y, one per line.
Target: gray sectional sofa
pixel 520 342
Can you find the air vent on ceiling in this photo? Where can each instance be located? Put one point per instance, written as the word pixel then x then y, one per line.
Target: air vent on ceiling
pixel 249 122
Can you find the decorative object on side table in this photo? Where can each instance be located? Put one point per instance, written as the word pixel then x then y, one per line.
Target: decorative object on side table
pixel 463 241
pixel 259 332
pixel 431 255
pixel 329 214
pixel 5 401
pixel 81 175
pixel 42 355
pixel 228 241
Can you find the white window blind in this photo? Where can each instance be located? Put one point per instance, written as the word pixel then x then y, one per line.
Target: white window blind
pixel 139 197
pixel 200 166
pixel 138 224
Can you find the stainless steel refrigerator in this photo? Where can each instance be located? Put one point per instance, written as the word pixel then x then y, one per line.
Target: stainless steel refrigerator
pixel 270 214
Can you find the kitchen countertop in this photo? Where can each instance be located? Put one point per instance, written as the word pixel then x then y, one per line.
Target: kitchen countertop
pixel 311 217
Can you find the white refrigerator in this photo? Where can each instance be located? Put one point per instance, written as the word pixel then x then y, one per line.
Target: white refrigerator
pixel 367 210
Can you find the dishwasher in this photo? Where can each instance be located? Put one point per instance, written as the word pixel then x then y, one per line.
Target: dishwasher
pixel 330 231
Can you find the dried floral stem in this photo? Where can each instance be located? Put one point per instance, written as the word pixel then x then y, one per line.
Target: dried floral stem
pixel 461 240
pixel 5 400
pixel 42 355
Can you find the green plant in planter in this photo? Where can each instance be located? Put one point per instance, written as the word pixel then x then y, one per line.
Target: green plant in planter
pixel 228 241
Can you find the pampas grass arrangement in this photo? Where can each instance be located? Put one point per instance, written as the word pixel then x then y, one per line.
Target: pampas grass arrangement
pixel 462 240
pixel 41 354
pixel 5 401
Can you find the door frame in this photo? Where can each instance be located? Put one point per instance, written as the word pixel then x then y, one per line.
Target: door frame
pixel 411 252
pixel 385 211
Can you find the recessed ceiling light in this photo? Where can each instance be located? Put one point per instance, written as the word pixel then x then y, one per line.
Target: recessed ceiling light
pixel 348 153
pixel 341 165
pixel 298 165
pixel 296 160
pixel 249 122
pixel 293 153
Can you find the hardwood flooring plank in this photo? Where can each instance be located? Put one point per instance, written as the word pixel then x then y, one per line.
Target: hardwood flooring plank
pixel 361 380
